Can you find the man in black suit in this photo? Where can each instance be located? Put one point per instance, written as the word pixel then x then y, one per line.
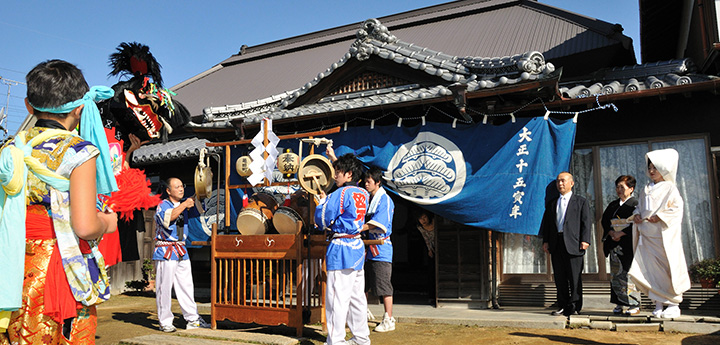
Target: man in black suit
pixel 566 230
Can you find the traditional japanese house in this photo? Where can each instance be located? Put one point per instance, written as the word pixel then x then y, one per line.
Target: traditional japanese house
pixel 486 67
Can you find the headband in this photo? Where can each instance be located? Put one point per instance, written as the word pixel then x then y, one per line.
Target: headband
pixel 92 130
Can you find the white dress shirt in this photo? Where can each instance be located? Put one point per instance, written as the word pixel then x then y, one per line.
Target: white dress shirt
pixel 562 204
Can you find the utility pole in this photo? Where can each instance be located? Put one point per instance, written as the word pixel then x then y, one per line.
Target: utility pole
pixel 3 114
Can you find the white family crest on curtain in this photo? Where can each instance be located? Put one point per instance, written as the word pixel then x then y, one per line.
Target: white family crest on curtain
pixel 485 176
pixel 427 170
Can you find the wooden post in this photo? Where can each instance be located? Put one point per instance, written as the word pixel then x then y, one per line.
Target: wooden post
pixel 213 277
pixel 299 280
pixel 227 188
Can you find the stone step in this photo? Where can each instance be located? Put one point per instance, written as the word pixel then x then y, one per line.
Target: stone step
pixel 637 327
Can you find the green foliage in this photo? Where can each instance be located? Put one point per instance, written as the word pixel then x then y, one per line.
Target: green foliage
pixel 148 269
pixel 137 285
pixel 148 273
pixel 708 269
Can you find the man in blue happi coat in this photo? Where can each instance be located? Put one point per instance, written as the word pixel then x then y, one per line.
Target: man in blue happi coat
pixel 379 256
pixel 343 214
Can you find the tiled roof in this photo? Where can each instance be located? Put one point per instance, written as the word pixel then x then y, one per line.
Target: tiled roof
pixel 170 151
pixel 484 28
pixel 374 39
pixel 635 78
pixel 475 73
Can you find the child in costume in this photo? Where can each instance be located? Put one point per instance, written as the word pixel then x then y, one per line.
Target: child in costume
pixel 54 273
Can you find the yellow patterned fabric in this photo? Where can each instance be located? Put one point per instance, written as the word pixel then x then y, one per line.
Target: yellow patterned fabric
pixel 61 152
pixel 28 325
pixel 4 320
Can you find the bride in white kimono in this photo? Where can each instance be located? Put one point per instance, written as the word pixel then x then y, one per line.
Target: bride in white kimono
pixel 658 268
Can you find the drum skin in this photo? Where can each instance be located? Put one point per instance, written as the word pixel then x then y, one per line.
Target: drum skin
pixel 286 218
pixel 253 219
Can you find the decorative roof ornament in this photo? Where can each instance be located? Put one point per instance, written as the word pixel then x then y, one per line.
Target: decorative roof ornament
pixel 371 29
pixel 530 62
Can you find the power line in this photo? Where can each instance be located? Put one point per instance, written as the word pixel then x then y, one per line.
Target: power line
pixel 12 70
pixel 53 36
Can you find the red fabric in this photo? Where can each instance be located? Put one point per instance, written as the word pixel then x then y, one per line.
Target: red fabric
pixel 59 301
pixel 134 193
pixel 109 247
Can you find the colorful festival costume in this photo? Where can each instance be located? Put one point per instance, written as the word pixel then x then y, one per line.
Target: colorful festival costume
pixel 64 277
pixel 141 105
pixel 343 212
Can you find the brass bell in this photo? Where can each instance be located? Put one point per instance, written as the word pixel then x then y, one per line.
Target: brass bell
pixel 288 163
pixel 242 165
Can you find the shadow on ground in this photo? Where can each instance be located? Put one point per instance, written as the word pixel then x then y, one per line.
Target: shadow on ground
pixel 705 339
pixel 313 332
pixel 137 318
pixel 564 339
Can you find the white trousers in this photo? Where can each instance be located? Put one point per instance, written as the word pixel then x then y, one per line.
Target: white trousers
pixel 345 302
pixel 177 274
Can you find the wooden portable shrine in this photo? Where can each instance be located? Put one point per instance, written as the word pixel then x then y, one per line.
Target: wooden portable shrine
pixel 263 278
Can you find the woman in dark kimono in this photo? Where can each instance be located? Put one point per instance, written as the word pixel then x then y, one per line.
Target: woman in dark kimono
pixel 618 245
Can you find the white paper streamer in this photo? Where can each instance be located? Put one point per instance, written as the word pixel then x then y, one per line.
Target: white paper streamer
pixel 263 167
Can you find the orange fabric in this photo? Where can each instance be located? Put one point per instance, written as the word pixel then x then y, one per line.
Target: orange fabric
pixel 31 324
pixel 59 301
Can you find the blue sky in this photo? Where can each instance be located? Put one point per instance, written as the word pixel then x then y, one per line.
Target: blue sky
pixel 189 37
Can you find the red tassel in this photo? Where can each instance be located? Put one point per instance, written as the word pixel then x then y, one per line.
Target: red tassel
pixel 245 200
pixel 134 193
pixel 286 203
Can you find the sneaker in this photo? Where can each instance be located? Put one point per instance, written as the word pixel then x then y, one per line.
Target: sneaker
pixel 618 310
pixel 386 325
pixel 168 328
pixel 370 315
pixel 632 311
pixel 199 323
pixel 671 312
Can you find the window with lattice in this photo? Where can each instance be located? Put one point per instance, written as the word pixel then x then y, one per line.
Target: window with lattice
pixel 369 81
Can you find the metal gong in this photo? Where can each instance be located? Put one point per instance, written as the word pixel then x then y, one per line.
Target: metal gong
pixel 315 174
pixel 203 182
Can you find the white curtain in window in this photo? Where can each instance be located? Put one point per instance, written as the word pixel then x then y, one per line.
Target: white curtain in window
pixel 693 184
pixel 523 254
